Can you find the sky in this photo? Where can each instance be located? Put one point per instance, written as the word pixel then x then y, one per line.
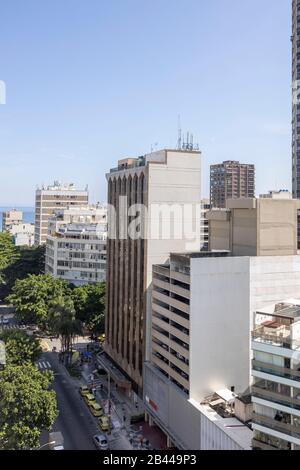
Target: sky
pixel 89 82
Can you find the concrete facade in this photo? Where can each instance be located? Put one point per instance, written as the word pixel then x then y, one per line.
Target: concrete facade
pixel 224 291
pixel 256 227
pixel 50 198
pixel 76 245
pixel 10 218
pixel 161 182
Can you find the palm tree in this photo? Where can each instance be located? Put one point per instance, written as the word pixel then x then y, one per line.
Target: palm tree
pixel 63 322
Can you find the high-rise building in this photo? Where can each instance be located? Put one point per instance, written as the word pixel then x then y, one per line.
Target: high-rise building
pixel 205 207
pixel 76 244
pixel 295 98
pixel 231 180
pixel 50 198
pixel 10 218
pixel 276 377
pixel 203 305
pixel 166 186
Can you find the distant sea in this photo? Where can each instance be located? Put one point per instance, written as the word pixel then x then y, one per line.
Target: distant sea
pixel 28 214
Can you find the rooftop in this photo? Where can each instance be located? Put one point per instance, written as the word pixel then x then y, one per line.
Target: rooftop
pixel 219 409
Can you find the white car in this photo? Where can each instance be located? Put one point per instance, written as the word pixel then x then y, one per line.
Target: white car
pixel 100 442
pixel 5 321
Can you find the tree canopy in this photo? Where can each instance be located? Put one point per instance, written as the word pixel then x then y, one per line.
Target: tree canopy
pixel 89 302
pixel 62 321
pixel 27 406
pixel 8 253
pixel 33 296
pixel 20 348
pixel 18 262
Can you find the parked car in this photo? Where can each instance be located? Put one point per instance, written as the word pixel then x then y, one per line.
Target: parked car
pixel 104 423
pixel 96 409
pixel 89 399
pixel 84 390
pixel 100 442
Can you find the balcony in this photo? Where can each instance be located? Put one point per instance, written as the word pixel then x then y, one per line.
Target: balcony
pixel 276 425
pixel 270 393
pixel 275 334
pixel 276 370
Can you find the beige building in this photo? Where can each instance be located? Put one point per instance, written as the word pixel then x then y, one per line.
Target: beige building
pixel 231 180
pixel 164 183
pixel 10 218
pixel 76 244
pixel 258 227
pixel 50 198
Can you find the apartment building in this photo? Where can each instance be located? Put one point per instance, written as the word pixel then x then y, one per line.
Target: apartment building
pixel 202 315
pixel 163 183
pixel 205 208
pixel 11 217
pixel 276 376
pixel 231 180
pixel 23 234
pixel 76 244
pixel 50 198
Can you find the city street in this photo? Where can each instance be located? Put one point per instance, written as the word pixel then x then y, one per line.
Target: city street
pixel 75 420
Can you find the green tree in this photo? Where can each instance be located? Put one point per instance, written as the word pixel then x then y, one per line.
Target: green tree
pixel 30 260
pixel 33 296
pixel 20 348
pixel 8 253
pixel 63 322
pixel 89 302
pixel 27 406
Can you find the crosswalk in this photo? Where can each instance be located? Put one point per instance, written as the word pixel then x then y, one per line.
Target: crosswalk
pixel 43 365
pixel 10 327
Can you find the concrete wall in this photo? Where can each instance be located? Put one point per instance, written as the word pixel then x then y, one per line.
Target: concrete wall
pixel 224 294
pixel 171 410
pixel 177 183
pixel 277 227
pixel 255 227
pixel 219 325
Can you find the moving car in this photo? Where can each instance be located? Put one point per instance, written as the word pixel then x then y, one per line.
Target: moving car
pixel 96 409
pixel 89 399
pixel 100 442
pixel 104 423
pixel 84 390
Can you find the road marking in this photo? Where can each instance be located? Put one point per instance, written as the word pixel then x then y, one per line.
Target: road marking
pixel 48 364
pixel 44 365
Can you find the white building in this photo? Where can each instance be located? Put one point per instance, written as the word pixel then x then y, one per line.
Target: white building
pixel 276 377
pixel 50 198
pixel 76 244
pixel 201 335
pixel 23 234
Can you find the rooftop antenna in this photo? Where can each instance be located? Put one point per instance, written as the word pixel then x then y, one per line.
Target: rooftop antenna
pixel 179 143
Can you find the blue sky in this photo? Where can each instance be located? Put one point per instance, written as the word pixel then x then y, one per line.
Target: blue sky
pixel 92 81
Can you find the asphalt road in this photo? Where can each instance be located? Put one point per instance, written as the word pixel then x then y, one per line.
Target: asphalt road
pixel 75 420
